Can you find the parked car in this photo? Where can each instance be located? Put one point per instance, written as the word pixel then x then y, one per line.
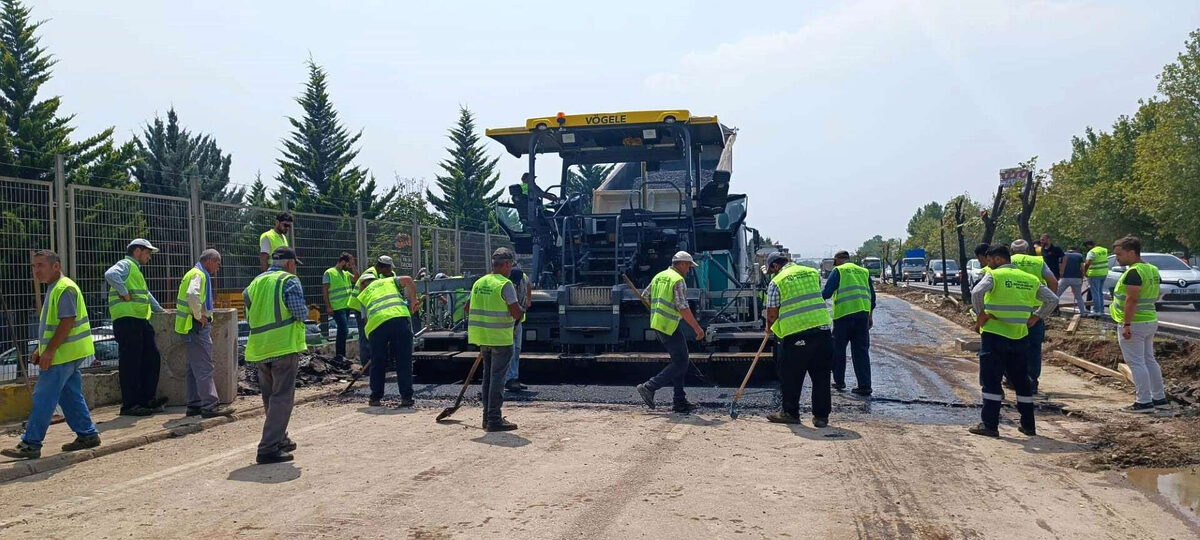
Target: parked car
pixel 102 339
pixel 942 270
pixel 912 269
pixel 1180 284
pixel 974 272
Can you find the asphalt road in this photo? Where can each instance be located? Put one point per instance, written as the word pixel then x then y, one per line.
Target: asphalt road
pixel 1182 318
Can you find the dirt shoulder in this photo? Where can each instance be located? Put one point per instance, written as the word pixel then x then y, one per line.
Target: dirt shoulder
pixel 1119 440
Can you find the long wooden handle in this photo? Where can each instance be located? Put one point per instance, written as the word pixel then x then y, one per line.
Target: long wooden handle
pixel 636 291
pixel 750 371
pixel 466 383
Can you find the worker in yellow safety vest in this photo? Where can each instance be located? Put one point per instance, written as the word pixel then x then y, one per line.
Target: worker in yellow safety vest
pixel 1095 269
pixel 130 303
pixel 1133 309
pixel 275 311
pixel 668 306
pixel 337 287
pixel 388 314
pixel 853 294
pixel 800 323
pixel 274 238
pixel 193 321
pixel 492 311
pixel 64 348
pixel 1009 301
pixel 1034 265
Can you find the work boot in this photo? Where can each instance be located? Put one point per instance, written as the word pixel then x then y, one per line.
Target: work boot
pixel 279 456
pixel 157 403
pixel 374 402
pixel 647 394
pixel 23 450
pixel 1162 404
pixel 683 406
pixel 819 422
pixel 839 386
pixel 860 391
pixel 82 443
pixel 982 429
pixel 193 411
pixel 136 410
pixel 288 445
pixel 1139 408
pixel 406 401
pixel 781 417
pixel 218 410
pixel 514 385
pixel 502 425
pixel 1028 431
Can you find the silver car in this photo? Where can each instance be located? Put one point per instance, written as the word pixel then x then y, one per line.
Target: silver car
pixel 1180 282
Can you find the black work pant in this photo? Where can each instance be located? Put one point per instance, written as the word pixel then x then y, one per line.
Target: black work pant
pixel 855 330
pixel 806 353
pixel 1000 356
pixel 139 361
pixel 676 371
pixel 391 345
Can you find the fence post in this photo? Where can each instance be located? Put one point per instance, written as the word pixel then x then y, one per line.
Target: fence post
pixel 60 214
pixel 458 248
pixel 487 249
pixel 360 236
pixel 416 246
pixel 435 261
pixel 196 223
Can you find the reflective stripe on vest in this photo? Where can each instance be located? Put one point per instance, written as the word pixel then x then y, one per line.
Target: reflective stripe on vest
pixel 1099 267
pixel 274 332
pixel 1148 295
pixel 1010 302
pixel 1032 265
pixel 800 304
pixel 383 301
pixel 853 294
pixel 340 288
pixel 138 305
pixel 78 344
pixel 488 321
pixel 183 312
pixel 664 317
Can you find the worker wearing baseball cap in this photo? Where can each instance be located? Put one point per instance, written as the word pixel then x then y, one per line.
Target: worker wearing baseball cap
pixel 799 319
pixel 492 312
pixel 130 304
pixel 388 327
pixel 668 305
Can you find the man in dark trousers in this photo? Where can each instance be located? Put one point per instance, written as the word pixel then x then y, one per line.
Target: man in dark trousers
pixel 130 304
pixel 799 318
pixel 1008 302
pixel 669 306
pixel 491 313
pixel 853 307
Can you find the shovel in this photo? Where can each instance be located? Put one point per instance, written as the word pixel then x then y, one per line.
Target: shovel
pixel 733 412
pixel 470 375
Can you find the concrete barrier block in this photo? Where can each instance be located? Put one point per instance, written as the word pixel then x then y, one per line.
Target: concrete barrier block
pixel 172 380
pixel 968 344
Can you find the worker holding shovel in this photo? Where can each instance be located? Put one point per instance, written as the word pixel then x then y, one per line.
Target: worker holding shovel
pixel 492 313
pixel 798 316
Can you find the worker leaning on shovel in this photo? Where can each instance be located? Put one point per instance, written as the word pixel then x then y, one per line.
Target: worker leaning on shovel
pixel 800 320
pixel 492 313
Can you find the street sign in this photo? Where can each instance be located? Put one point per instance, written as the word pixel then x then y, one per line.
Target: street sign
pixel 1008 177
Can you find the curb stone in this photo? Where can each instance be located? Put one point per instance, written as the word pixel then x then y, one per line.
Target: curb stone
pixel 65 459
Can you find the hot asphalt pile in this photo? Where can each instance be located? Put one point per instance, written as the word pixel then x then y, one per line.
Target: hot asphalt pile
pixel 314 370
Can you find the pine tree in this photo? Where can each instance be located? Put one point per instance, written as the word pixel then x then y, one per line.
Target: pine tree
pixel 33 130
pixel 170 156
pixel 317 170
pixel 258 196
pixel 469 186
pixel 584 179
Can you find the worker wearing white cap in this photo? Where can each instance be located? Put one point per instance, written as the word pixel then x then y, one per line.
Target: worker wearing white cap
pixel 668 306
pixel 130 304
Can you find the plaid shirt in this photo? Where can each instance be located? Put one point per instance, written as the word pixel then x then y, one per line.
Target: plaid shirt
pixel 293 297
pixel 681 302
pixel 773 299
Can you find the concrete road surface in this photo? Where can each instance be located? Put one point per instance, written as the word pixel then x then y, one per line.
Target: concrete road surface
pixel 898 466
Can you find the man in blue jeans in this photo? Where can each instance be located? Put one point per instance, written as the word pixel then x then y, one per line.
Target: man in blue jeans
pixel 853 307
pixel 64 347
pixel 521 285
pixel 1095 268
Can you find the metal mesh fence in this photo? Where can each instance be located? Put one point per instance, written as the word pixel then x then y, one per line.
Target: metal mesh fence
pixel 473 251
pixel 103 221
pixel 26 225
pixel 234 230
pixel 445 250
pixel 382 237
pixel 319 241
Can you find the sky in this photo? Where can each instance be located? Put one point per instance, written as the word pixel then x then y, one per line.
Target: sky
pixel 850 114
